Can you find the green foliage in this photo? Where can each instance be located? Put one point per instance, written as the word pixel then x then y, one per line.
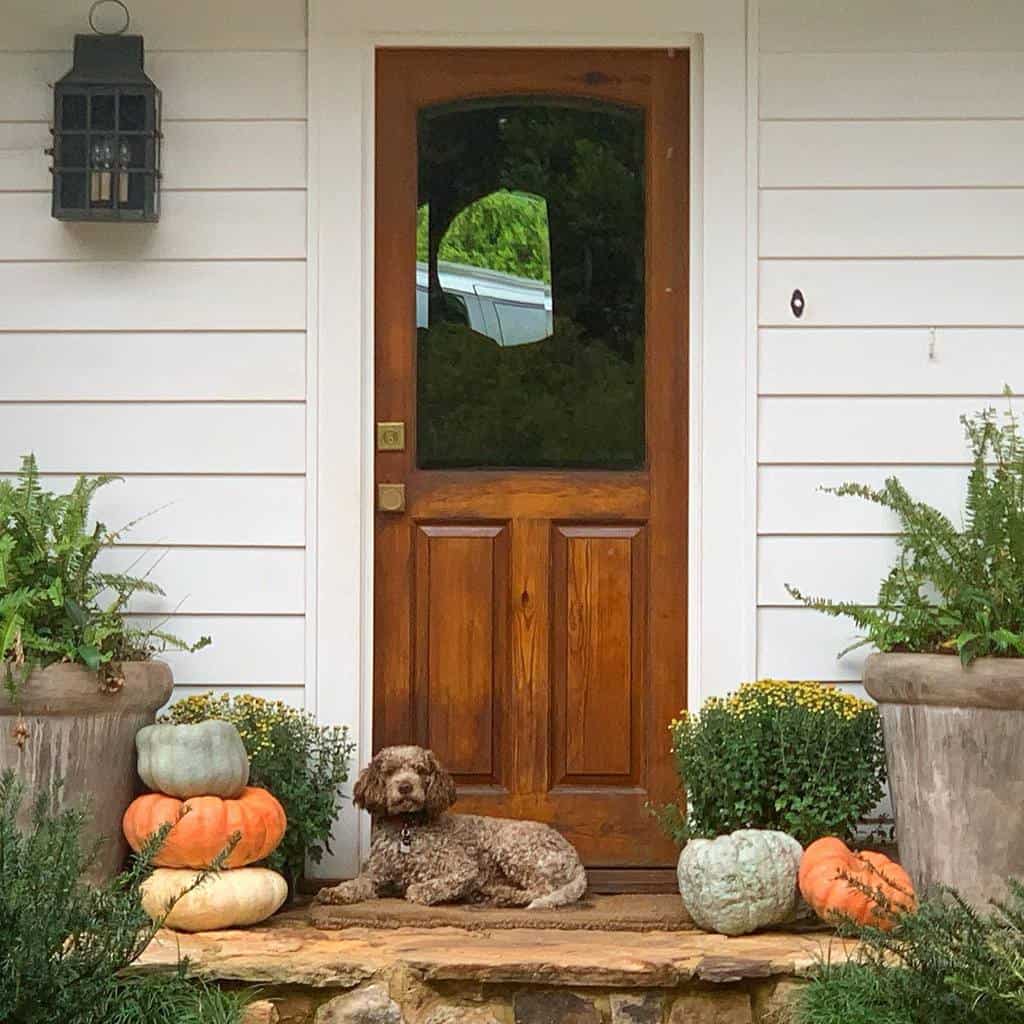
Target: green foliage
pixel 952 590
pixel 55 605
pixel 504 231
pixel 563 401
pixel 799 757
pixel 303 764
pixel 65 942
pixel 945 964
pixel 171 999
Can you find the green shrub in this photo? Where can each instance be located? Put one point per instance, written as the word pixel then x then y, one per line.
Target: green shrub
pixel 799 757
pixel 55 605
pixel 952 590
pixel 171 999
pixel 303 764
pixel 66 943
pixel 945 964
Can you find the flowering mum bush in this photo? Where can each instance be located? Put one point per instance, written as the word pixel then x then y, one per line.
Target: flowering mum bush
pixel 799 757
pixel 302 763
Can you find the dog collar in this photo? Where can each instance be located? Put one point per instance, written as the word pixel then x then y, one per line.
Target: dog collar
pixel 405 840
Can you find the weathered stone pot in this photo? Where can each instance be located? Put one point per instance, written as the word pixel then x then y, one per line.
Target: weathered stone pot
pixel 66 727
pixel 954 741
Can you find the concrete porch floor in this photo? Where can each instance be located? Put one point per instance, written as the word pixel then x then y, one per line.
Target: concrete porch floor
pixel 508 976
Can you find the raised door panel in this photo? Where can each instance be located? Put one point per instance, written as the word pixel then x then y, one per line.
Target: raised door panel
pixel 460 625
pixel 599 626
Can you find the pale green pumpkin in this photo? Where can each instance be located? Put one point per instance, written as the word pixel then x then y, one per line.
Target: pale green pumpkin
pixel 207 759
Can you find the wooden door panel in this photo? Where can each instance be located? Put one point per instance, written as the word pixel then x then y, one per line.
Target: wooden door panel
pixel 461 573
pixel 530 622
pixel 599 630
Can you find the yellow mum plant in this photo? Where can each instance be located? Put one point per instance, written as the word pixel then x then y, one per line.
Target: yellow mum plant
pixel 801 757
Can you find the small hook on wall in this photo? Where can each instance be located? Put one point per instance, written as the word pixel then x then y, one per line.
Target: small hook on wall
pixel 797 303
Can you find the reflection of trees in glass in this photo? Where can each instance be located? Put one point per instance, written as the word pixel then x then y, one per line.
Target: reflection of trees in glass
pixel 575 398
pixel 552 403
pixel 504 231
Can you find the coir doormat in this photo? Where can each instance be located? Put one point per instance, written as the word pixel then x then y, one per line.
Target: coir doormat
pixel 623 913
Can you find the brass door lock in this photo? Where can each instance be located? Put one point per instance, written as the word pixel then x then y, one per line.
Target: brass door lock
pixel 390 497
pixel 391 437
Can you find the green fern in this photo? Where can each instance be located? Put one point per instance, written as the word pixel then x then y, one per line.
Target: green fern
pixel 951 589
pixel 55 605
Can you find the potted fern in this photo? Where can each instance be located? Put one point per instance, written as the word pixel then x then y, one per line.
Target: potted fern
pixel 79 678
pixel 949 673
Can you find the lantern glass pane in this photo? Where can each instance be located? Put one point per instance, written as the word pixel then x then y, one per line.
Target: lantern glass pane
pixel 72 112
pixel 72 151
pixel 72 190
pixel 132 113
pixel 136 198
pixel 103 113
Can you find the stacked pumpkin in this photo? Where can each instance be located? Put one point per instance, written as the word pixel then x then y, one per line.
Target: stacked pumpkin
pixel 199 775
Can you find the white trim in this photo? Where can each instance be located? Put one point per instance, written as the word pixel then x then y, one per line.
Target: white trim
pixel 722 456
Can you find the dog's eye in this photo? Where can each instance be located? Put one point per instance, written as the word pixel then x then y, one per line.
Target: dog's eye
pixel 422 769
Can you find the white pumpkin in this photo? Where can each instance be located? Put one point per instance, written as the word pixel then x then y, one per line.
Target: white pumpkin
pixel 228 899
pixel 206 759
pixel 738 883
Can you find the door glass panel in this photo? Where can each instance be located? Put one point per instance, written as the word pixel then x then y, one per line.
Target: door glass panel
pixel 530 285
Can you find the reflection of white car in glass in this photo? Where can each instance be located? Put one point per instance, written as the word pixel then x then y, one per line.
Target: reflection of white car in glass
pixel 511 310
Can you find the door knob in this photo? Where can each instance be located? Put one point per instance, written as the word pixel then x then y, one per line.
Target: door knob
pixel 390 497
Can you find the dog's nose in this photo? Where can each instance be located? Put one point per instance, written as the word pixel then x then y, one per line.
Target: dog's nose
pixel 405 788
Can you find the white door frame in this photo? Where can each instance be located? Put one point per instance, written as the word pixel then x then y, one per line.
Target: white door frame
pixel 723 342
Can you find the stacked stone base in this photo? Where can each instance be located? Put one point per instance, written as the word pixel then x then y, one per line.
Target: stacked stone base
pixel 404 999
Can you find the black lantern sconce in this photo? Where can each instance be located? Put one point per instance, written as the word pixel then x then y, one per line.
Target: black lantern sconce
pixel 106 131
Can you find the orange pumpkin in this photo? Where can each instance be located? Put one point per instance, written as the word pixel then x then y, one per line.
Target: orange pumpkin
pixel 824 878
pixel 202 826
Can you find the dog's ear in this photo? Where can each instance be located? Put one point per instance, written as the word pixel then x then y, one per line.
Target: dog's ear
pixel 370 790
pixel 440 788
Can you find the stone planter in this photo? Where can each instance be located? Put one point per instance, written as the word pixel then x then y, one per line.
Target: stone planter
pixel 65 727
pixel 954 742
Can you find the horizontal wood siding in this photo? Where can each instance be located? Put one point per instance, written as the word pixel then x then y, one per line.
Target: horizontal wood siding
pixel 174 353
pixel 891 173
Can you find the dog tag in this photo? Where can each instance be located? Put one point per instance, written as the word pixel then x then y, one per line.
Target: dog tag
pixel 405 841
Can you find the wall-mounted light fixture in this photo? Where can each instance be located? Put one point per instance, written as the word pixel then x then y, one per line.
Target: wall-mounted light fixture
pixel 106 131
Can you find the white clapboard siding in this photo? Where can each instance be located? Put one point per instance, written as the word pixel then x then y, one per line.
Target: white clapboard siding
pixel 125 296
pixel 875 430
pixel 894 293
pixel 182 25
pixel 881 25
pixel 193 226
pixel 291 695
pixel 214 581
pixel 909 154
pixel 162 438
pixel 790 499
pixel 232 511
pixel 194 155
pixel 798 643
pixel 195 86
pixel 891 222
pixel 841 568
pixel 254 650
pixel 891 85
pixel 891 361
pixel 171 366
pixel 23 162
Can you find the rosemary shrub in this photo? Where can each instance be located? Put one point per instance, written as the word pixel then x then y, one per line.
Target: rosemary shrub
pixel 798 757
pixel 55 604
pixel 944 964
pixel 951 590
pixel 302 763
pixel 64 944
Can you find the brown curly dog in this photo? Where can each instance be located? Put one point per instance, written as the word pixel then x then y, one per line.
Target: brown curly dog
pixel 428 856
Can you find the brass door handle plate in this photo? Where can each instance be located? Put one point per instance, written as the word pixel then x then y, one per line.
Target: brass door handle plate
pixel 391 437
pixel 390 497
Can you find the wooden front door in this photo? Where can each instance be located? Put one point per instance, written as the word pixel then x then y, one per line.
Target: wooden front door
pixel 531 336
